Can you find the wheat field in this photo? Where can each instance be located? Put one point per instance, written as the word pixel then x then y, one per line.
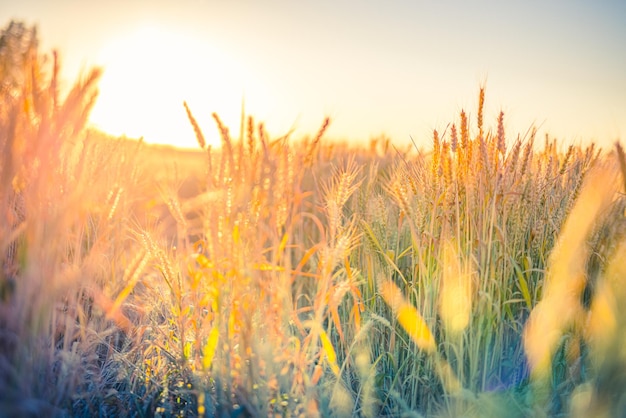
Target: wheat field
pixel 479 276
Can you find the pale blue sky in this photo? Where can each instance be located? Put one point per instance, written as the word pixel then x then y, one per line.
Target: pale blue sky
pixel 400 67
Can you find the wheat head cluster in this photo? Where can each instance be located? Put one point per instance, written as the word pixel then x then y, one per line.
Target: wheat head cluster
pixel 481 275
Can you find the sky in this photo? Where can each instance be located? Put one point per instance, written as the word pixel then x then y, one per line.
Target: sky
pixel 398 68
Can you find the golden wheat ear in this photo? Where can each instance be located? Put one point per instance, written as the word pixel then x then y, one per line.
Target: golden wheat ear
pixel 196 127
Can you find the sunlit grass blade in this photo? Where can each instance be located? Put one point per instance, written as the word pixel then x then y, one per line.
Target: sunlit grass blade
pixel 455 298
pixel 329 352
pixel 208 352
pixel 408 317
pixel 523 286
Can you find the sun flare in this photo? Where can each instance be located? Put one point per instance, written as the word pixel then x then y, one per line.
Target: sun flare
pixel 149 72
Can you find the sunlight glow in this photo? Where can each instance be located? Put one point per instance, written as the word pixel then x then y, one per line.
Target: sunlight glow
pixel 148 74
